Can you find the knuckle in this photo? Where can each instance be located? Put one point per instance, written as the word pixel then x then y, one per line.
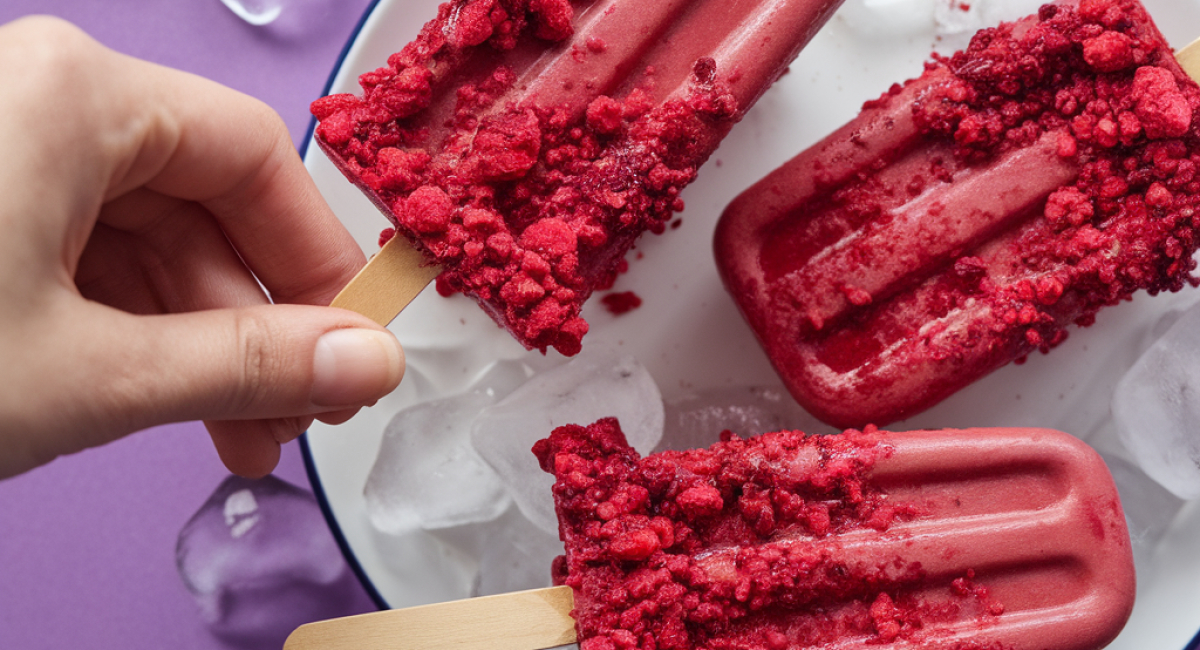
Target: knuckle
pixel 49 47
pixel 273 124
pixel 262 370
pixel 269 127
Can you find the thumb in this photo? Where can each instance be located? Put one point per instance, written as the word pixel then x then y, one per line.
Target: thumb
pixel 268 361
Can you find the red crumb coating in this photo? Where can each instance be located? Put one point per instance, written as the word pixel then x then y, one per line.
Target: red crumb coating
pixel 528 203
pixel 1016 188
pixel 737 546
pixel 621 302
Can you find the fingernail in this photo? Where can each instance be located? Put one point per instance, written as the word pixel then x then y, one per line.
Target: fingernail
pixel 355 366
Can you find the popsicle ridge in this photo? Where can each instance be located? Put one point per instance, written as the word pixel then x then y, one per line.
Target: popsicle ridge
pixel 968 217
pixel 524 145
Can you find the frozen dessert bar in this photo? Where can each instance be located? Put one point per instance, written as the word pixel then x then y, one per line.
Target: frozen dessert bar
pixel 968 217
pixel 524 145
pixel 981 539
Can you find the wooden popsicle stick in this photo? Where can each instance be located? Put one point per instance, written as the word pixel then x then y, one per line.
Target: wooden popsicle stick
pixel 522 620
pixel 385 286
pixel 1189 59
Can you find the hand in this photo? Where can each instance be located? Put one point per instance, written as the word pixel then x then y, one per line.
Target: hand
pixel 140 208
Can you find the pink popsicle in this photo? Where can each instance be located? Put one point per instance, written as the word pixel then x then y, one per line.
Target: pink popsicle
pixel 968 217
pixel 524 145
pixel 976 539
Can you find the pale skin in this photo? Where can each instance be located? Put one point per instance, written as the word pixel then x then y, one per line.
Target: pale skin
pixel 140 209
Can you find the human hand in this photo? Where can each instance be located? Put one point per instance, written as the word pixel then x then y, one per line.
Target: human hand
pixel 138 205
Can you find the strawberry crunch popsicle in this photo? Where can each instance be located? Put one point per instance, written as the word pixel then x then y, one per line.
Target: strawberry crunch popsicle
pixel 966 218
pixel 524 145
pixel 979 539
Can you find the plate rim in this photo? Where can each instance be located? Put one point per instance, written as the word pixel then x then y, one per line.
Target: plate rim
pixel 310 467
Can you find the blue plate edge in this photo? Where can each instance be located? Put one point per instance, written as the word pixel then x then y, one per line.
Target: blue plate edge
pixel 310 467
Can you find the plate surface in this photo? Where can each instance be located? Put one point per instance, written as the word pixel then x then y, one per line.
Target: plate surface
pixel 688 333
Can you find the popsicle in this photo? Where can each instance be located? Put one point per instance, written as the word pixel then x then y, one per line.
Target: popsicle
pixel 968 217
pixel 523 145
pixel 977 539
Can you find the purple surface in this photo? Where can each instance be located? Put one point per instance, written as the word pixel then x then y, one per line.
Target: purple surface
pixel 87 543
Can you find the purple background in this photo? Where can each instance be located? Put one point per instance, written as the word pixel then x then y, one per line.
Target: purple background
pixel 87 543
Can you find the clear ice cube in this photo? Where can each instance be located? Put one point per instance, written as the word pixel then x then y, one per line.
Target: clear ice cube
pixel 888 18
pixel 516 555
pixel 256 12
pixel 599 382
pixel 955 21
pixel 427 474
pixel 288 20
pixel 1149 507
pixel 260 561
pixel 436 569
pixel 1156 407
pixel 697 420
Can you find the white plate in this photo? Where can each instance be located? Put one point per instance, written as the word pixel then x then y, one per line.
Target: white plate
pixel 688 333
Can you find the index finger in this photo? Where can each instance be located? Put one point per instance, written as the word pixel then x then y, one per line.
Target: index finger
pixel 232 153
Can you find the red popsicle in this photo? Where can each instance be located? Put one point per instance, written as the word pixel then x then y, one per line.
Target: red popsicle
pixel 977 539
pixel 524 145
pixel 968 217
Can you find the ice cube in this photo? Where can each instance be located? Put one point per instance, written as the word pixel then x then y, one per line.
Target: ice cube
pixel 517 555
pixel 434 570
pixel 887 18
pixel 955 21
pixel 1149 507
pixel 697 420
pixel 255 12
pixel 1156 406
pixel 503 555
pixel 599 382
pixel 259 560
pixel 427 474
